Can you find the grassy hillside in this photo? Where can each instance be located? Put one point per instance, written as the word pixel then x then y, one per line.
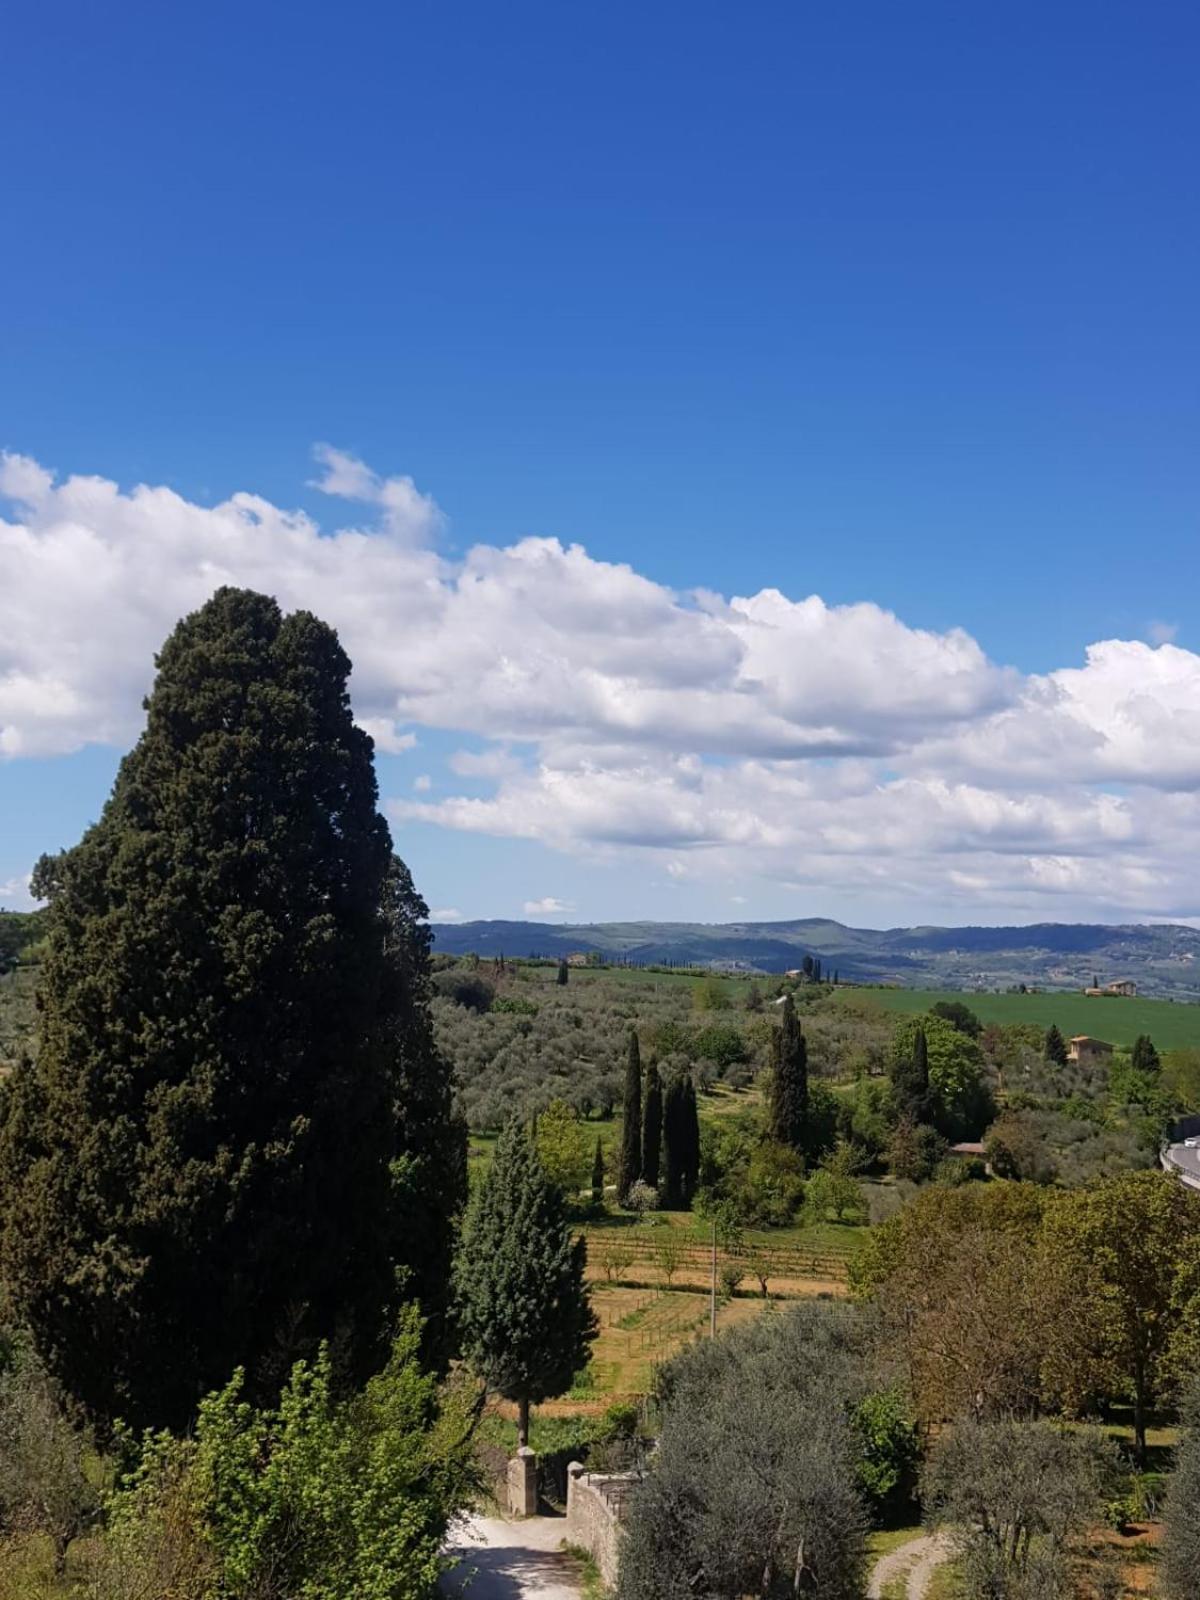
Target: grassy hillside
pixel 1171 1025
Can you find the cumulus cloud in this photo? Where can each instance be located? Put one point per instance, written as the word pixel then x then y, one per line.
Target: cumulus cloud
pixel 548 906
pixel 812 744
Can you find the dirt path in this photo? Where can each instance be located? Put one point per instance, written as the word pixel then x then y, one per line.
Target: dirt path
pixel 915 1561
pixel 501 1560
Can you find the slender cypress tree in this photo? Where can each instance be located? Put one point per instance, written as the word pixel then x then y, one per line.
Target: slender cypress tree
pixel 674 1156
pixel 910 1082
pixel 230 1142
pixel 631 1120
pixel 1145 1057
pixel 598 1175
pixel 789 1089
pixel 690 1127
pixel 564 971
pixel 1056 1046
pixel 652 1127
pixel 524 1310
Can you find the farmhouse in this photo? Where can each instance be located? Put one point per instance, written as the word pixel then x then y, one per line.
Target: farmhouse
pixel 1125 987
pixel 1087 1052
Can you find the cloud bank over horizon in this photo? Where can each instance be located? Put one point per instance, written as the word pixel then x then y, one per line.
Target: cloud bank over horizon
pixel 833 748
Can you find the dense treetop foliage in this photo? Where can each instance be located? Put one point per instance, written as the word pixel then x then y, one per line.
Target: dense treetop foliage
pixel 218 1159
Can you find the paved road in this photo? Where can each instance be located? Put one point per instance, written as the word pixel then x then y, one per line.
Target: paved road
pixel 501 1560
pixel 918 1559
pixel 1186 1162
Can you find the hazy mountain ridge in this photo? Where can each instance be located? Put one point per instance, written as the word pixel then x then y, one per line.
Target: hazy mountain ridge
pixel 1163 958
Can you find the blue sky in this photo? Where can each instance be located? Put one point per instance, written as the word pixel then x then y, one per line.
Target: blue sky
pixel 882 304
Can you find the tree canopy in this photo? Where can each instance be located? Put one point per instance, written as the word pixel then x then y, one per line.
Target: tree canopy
pixel 222 1154
pixel 524 1311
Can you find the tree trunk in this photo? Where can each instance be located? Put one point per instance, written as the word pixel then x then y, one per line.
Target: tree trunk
pixel 1139 1421
pixel 522 1423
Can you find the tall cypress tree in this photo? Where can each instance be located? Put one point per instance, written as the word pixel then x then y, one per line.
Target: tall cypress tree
pixel 598 1175
pixel 690 1140
pixel 224 1151
pixel 631 1120
pixel 673 1141
pixel 788 1119
pixel 1145 1057
pixel 652 1126
pixel 524 1310
pixel 910 1082
pixel 1055 1048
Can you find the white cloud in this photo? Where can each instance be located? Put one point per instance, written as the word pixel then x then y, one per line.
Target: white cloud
pixel 825 746
pixel 447 914
pixel 549 906
pixel 422 783
pixel 408 514
pixel 1163 632
pixel 15 895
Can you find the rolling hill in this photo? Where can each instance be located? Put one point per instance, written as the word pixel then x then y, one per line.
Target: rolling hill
pixel 1163 958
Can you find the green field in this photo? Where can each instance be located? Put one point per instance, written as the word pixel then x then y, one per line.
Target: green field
pixel 1170 1024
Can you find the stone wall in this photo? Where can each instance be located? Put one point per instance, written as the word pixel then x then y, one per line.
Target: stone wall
pixel 596 1504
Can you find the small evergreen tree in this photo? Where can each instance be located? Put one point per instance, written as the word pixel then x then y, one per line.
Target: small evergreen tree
pixel 652 1124
pixel 1055 1050
pixel 788 1116
pixel 524 1310
pixel 564 971
pixel 1145 1057
pixel 631 1120
pixel 598 1175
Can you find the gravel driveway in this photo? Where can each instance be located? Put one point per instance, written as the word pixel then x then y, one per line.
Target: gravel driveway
pixel 503 1560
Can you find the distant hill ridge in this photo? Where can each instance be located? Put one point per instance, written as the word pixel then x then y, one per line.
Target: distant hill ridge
pixel 1162 958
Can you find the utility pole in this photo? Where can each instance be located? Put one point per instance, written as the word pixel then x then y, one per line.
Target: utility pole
pixel 712 1299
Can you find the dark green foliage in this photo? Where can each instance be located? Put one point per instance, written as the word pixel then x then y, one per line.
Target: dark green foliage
pixel 563 975
pixel 631 1121
pixel 524 1311
pixel 598 1175
pixel 1181 1546
pixel 959 1016
pixel 681 1143
pixel 753 1490
pixel 223 1153
pixel 910 1081
pixel 1056 1046
pixel 722 1043
pixel 19 932
pixel 652 1127
pixel 1144 1059
pixel 465 988
pixel 788 1112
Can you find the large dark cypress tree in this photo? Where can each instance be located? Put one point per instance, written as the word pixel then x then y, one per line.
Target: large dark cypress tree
pixel 788 1121
pixel 652 1126
pixel 523 1304
pixel 631 1121
pixel 225 1149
